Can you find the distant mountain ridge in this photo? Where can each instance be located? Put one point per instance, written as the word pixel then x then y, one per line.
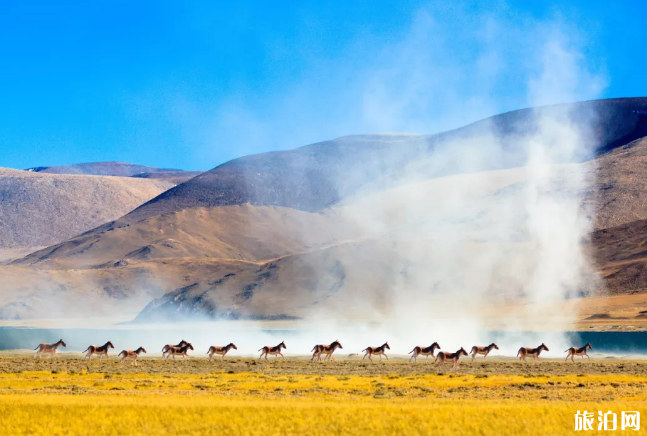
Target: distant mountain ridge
pixel 39 209
pixel 122 169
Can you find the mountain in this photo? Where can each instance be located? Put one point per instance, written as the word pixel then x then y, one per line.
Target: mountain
pixel 175 177
pixel 39 209
pixel 316 176
pixel 121 169
pixel 281 234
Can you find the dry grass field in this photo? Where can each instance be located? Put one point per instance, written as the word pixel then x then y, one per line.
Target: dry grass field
pixel 66 396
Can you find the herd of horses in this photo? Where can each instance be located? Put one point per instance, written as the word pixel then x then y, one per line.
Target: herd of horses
pixel 184 347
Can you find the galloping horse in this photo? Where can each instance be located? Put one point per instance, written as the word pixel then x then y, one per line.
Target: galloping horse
pixel 532 352
pixel 48 348
pixel 483 350
pixel 167 346
pixel 376 351
pixel 130 354
pixel 179 351
pixel 578 352
pixel 453 357
pixel 325 349
pixel 101 351
pixel 221 351
pixel 429 351
pixel 274 351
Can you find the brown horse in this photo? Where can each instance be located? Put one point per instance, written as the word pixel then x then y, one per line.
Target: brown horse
pixel 167 346
pixel 453 357
pixel 376 351
pixel 578 352
pixel 179 351
pixel 221 351
pixel 483 350
pixel 419 351
pixel 532 352
pixel 101 351
pixel 48 348
pixel 274 351
pixel 130 354
pixel 325 349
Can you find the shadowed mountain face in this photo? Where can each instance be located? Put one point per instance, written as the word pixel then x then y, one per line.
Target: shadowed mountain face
pixel 102 169
pixel 316 176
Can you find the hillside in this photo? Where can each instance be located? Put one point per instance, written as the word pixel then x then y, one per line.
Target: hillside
pixel 122 169
pixel 244 232
pixel 38 209
pixel 316 176
pixel 330 226
pixel 175 177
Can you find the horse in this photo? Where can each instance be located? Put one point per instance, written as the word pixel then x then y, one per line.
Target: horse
pixel 48 348
pixel 429 351
pixel 453 357
pixel 101 351
pixel 222 351
pixel 274 351
pixel 325 349
pixel 578 352
pixel 483 350
pixel 376 351
pixel 532 352
pixel 130 354
pixel 167 346
pixel 179 351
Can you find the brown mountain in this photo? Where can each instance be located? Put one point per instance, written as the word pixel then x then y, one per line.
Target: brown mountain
pixel 38 209
pixel 121 169
pixel 281 234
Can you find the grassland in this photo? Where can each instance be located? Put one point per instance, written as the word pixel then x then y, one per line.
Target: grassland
pixel 66 396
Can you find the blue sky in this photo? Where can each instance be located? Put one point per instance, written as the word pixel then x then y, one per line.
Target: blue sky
pixel 170 85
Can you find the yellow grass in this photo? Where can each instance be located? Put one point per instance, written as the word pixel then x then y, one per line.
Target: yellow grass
pixel 174 414
pixel 227 403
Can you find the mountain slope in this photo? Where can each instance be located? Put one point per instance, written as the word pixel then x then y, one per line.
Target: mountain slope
pixel 316 176
pixel 348 225
pixel 245 232
pixel 39 209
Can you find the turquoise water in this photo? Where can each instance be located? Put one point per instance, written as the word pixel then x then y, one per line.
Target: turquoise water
pixel 13 338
